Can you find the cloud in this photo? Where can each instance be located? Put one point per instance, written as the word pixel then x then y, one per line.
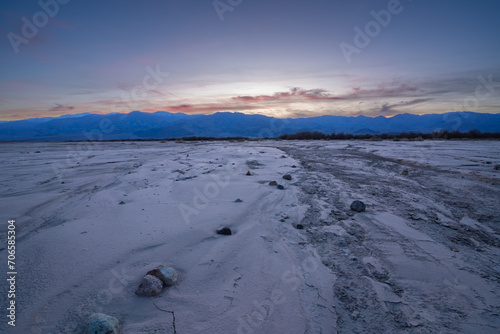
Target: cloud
pixel 393 89
pixel 204 108
pixel 389 108
pixel 295 94
pixel 62 107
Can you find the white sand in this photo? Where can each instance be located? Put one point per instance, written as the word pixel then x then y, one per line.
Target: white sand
pixel 80 251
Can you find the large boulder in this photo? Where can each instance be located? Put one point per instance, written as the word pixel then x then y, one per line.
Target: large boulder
pixel 150 286
pixel 99 323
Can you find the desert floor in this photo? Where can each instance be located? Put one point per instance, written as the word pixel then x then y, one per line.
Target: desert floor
pixel 93 218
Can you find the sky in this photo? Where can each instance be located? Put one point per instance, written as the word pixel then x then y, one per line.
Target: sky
pixel 293 58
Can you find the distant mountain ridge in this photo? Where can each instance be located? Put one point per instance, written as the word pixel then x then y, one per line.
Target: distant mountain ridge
pixel 161 124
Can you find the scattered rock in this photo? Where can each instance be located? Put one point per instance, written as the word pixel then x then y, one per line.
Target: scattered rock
pixel 497 167
pixel 293 166
pixel 299 227
pixel 280 187
pixel 283 157
pixel 238 200
pixel 150 286
pixel 248 173
pixel 121 202
pixel 224 231
pixel 38 152
pixel 273 183
pixel 405 172
pixel 287 177
pixel 167 275
pixel 99 323
pixel 358 206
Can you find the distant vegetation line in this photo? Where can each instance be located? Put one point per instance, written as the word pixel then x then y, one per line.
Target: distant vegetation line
pixel 443 134
pixel 316 135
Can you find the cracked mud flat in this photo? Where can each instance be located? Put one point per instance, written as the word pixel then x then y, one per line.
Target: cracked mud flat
pixel 424 257
pixel 92 219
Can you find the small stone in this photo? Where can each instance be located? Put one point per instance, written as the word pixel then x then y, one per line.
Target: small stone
pixel 280 187
pixel 238 200
pixel 99 323
pixel 150 286
pixel 121 202
pixel 224 231
pixel 405 172
pixel 358 206
pixel 293 166
pixel 167 275
pixel 299 227
pixel 248 173
pixel 287 177
pixel 273 183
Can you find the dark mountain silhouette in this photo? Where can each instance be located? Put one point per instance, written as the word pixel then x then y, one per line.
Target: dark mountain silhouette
pixel 161 124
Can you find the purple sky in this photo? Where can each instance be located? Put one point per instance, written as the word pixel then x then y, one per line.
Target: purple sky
pixel 293 58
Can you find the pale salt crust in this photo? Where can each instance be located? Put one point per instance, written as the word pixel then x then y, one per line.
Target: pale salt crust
pixel 92 219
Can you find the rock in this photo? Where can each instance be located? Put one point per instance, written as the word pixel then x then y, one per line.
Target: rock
pixel 287 177
pixel 299 227
pixel 238 200
pixel 497 167
pixel 38 152
pixel 293 166
pixel 99 323
pixel 150 286
pixel 225 231
pixel 280 187
pixel 405 172
pixel 248 173
pixel 358 206
pixel 167 275
pixel 273 183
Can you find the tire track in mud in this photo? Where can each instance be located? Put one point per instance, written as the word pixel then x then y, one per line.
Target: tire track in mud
pixel 431 222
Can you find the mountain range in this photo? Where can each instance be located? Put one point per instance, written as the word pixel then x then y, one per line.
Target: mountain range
pixel 161 124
